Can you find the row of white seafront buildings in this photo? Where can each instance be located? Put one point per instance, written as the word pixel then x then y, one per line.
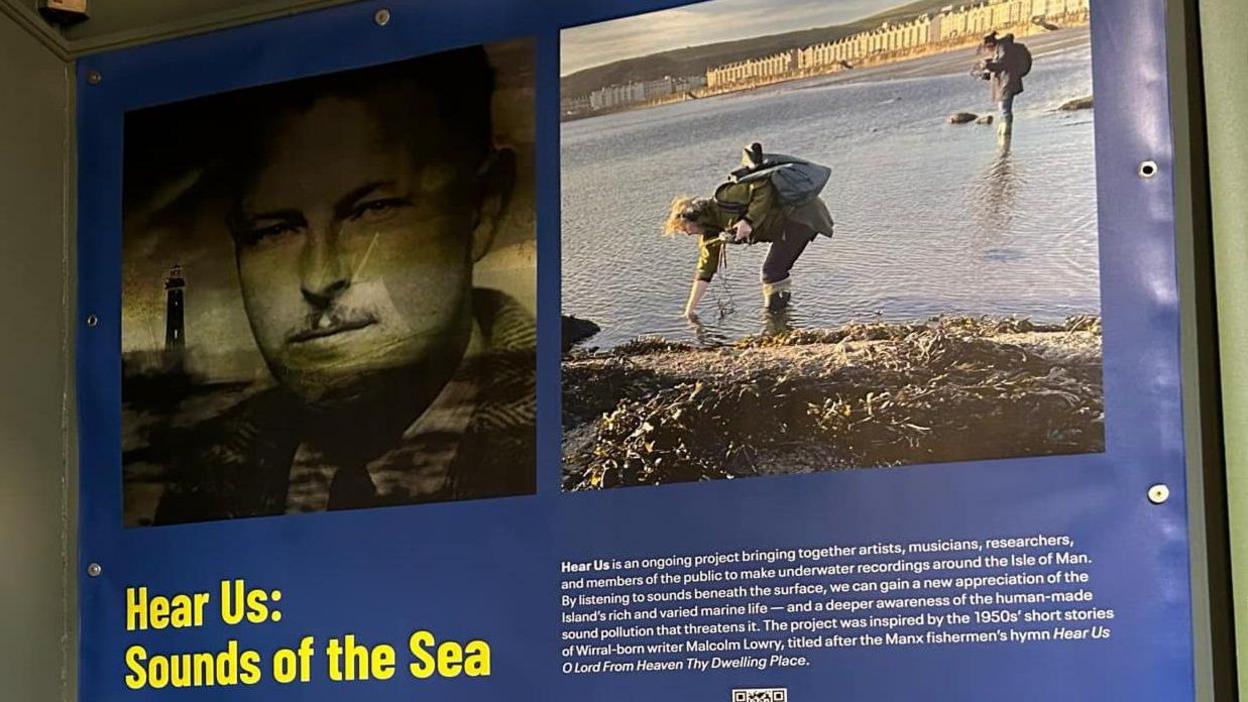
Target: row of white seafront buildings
pixel 633 92
pixel 951 25
pixel 948 26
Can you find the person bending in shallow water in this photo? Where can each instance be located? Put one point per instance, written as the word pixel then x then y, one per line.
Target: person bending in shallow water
pixel 748 212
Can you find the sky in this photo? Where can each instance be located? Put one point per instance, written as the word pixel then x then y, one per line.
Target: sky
pixel 703 23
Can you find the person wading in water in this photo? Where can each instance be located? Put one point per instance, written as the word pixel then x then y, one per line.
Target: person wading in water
pixel 772 198
pixel 1004 67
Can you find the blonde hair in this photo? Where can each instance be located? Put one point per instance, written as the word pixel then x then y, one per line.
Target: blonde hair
pixel 681 212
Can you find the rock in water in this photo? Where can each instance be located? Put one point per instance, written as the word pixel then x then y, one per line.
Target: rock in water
pixel 1083 103
pixel 575 330
pixel 962 117
pixel 985 119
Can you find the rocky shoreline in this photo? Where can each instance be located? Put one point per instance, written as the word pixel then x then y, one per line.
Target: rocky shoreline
pixel 864 395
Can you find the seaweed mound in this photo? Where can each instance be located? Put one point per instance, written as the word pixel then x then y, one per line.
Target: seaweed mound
pixel 863 395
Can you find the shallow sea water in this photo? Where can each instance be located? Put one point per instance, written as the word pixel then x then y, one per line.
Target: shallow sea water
pixel 930 218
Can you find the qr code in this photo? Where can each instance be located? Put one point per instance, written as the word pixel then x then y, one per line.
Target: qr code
pixel 761 694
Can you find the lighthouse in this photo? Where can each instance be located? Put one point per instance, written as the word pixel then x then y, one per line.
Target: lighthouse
pixel 175 317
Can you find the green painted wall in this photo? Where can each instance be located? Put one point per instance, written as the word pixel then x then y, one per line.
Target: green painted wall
pixel 36 599
pixel 1224 25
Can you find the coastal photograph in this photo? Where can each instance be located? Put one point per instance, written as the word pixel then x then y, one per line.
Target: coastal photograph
pixel 811 236
pixel 328 288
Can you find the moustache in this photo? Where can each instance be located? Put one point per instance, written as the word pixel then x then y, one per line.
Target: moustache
pixel 323 323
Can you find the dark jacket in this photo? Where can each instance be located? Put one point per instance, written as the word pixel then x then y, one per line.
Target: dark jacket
pixel 1006 69
pixel 240 464
pixel 755 202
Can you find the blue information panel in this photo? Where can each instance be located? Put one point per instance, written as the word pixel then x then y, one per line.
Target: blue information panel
pixel 747 350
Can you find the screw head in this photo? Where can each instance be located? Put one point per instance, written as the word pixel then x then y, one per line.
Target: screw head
pixel 1148 169
pixel 1158 494
pixel 94 570
pixel 92 320
pixel 382 17
pixel 94 77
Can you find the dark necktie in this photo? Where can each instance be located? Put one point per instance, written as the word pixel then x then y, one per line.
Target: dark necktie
pixel 352 488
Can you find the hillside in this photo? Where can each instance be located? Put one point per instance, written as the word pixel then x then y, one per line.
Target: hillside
pixel 696 59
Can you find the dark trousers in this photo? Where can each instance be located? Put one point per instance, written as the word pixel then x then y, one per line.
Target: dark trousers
pixel 784 252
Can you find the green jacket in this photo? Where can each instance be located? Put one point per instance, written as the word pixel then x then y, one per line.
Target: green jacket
pixel 755 202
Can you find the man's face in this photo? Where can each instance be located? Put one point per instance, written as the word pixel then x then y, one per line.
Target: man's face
pixel 354 252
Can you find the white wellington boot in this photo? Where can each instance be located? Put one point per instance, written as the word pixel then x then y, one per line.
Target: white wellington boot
pixel 776 295
pixel 1005 134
